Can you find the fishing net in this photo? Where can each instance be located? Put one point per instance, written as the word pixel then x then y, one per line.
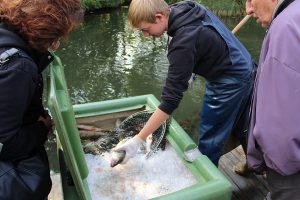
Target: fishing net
pixel 135 122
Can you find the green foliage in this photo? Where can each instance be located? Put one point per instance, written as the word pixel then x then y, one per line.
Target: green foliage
pixel 220 7
pixel 171 1
pixel 225 7
pixel 98 4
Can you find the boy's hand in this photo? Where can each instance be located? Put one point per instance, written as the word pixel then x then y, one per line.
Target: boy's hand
pixel 131 147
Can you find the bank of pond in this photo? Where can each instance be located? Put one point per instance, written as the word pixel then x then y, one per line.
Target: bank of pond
pixel 220 7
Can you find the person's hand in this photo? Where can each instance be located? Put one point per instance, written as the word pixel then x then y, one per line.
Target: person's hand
pixel 46 119
pixel 130 147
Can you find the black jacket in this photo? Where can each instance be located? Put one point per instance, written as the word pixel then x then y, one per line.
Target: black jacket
pixel 194 48
pixel 21 88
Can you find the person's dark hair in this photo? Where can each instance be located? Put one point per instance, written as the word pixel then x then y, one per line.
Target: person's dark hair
pixel 41 22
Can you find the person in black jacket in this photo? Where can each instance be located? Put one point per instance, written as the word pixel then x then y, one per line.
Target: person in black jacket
pixel 27 29
pixel 202 45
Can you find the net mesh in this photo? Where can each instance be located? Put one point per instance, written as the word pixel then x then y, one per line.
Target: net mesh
pixel 138 121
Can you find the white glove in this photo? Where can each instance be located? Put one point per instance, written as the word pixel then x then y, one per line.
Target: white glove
pixel 131 147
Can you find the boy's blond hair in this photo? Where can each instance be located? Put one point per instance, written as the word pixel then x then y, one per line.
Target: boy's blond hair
pixel 145 10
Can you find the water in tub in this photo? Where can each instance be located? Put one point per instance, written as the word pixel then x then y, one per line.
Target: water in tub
pixel 139 178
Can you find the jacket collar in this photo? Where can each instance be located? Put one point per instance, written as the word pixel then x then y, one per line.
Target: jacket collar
pixel 42 60
pixel 282 4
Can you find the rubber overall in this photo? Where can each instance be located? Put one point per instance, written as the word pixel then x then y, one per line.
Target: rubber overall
pixel 226 102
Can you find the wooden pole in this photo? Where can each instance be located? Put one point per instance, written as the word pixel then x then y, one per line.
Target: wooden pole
pixel 240 24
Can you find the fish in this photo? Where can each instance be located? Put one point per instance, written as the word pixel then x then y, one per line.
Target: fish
pixel 88 127
pixel 117 157
pixel 92 135
pixel 101 145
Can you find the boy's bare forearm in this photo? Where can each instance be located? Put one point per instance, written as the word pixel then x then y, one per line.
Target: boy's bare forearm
pixel 157 118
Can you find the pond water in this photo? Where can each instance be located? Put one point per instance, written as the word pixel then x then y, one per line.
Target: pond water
pixel 104 59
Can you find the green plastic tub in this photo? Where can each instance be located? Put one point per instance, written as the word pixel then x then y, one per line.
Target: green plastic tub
pixel 74 170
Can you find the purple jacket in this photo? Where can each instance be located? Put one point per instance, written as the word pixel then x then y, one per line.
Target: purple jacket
pixel 274 137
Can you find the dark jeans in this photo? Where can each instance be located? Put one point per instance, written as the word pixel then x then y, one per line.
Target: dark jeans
pixel 283 187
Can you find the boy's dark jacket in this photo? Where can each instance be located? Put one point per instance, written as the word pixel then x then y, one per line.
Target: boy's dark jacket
pixel 21 88
pixel 197 48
